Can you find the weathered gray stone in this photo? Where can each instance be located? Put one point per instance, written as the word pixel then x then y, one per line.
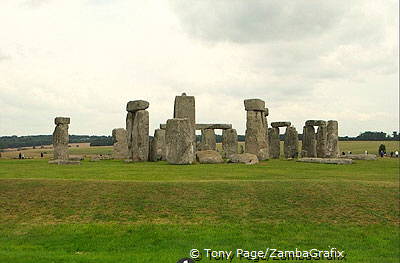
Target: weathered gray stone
pixel 208 140
pixel 136 105
pixel 254 105
pixel 365 157
pixel 138 135
pixel 256 140
pixel 266 112
pixel 209 157
pixel 229 142
pixel 61 139
pixel 179 141
pixel 120 146
pixel 325 160
pixel 185 107
pixel 321 141
pixel 332 144
pixel 274 143
pixel 291 143
pixel 309 145
pixel 278 124
pixel 62 120
pixel 246 158
pixel 158 146
pixel 315 123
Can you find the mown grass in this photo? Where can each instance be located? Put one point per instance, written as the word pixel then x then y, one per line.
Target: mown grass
pixel 111 211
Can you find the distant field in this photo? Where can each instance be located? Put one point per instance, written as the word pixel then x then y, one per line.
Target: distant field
pixel 111 211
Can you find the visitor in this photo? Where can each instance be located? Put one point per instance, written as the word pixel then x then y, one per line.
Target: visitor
pixel 391 154
pixel 41 155
pixel 396 153
pixel 20 156
pixel 343 153
pixel 381 154
pixel 366 152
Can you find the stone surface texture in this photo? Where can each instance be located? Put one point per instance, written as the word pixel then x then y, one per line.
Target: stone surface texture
pixel 61 139
pixel 208 140
pixel 291 143
pixel 180 146
pixel 246 158
pixel 229 142
pixel 158 146
pixel 274 143
pixel 332 142
pixel 120 146
pixel 278 124
pixel 309 145
pixel 136 105
pixel 326 160
pixel 256 134
pixel 209 157
pixel 321 141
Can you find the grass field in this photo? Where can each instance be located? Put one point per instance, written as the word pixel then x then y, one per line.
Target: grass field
pixel 111 211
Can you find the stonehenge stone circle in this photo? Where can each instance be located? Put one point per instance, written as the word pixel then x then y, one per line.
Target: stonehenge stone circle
pixel 322 141
pixel 158 146
pixel 61 139
pixel 180 146
pixel 332 139
pixel 278 124
pixel 274 143
pixel 120 146
pixel 137 127
pixel 256 129
pixel 291 143
pixel 208 140
pixel 229 142
pixel 209 157
pixel 309 145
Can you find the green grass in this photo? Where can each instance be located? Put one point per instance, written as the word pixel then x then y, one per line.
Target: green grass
pixel 111 211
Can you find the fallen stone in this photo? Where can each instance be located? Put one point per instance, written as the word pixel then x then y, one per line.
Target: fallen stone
pixel 76 158
pixel 278 124
pixel 209 157
pixel 136 105
pixel 254 105
pixel 246 158
pixel 367 157
pixel 326 160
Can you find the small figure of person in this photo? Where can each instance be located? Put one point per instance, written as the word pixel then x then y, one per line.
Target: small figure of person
pixel 23 156
pixel 366 152
pixel 391 154
pixel 343 153
pixel 381 154
pixel 20 156
pixel 396 153
pixel 41 155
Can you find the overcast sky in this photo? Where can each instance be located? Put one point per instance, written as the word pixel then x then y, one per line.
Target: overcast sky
pixel 308 59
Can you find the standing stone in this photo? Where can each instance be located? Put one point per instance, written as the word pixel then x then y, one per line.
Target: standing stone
pixel 208 140
pixel 61 138
pixel 332 139
pixel 274 143
pixel 179 141
pixel 137 127
pixel 291 143
pixel 308 147
pixel 229 142
pixel 322 141
pixel 185 107
pixel 120 146
pixel 158 148
pixel 256 140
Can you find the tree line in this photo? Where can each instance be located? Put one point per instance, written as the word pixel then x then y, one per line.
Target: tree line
pixel 39 140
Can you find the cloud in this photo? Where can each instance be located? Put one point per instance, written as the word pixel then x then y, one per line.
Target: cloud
pixel 307 59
